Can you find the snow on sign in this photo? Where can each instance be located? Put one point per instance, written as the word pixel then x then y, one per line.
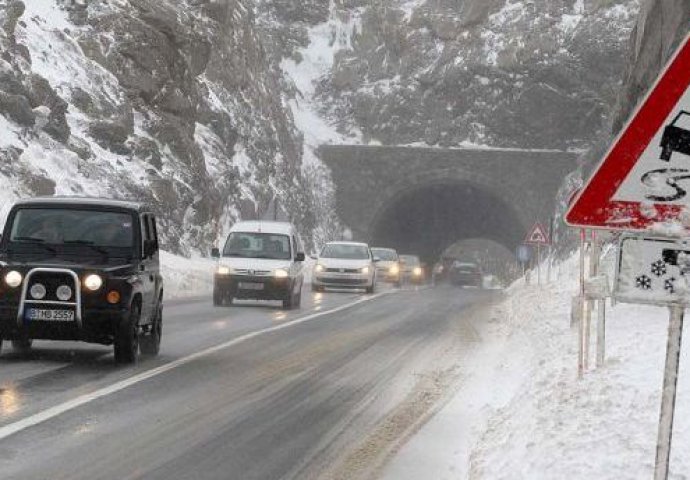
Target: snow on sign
pixel 654 271
pixel 645 176
pixel 537 235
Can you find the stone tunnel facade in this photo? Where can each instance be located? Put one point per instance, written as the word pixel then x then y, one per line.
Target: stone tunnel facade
pixel 422 200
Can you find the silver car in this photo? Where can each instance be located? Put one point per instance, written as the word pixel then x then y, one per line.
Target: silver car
pixel 344 265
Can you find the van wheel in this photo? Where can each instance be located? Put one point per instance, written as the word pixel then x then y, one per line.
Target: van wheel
pixel 150 344
pixel 22 345
pixel 127 337
pixel 217 298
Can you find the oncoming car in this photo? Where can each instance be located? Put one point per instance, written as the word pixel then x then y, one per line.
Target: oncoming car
pixel 81 269
pixel 466 274
pixel 412 268
pixel 344 265
pixel 387 265
pixel 260 261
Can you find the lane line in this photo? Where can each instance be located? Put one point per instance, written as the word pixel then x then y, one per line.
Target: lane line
pixel 59 409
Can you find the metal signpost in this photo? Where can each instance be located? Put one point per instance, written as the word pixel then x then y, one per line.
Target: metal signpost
pixel 642 182
pixel 538 236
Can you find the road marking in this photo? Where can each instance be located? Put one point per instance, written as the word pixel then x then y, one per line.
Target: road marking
pixel 53 412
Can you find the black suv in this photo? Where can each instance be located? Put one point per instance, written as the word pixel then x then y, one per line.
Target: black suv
pixel 81 269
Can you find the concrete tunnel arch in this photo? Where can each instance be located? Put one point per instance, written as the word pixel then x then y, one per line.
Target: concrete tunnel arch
pixel 431 217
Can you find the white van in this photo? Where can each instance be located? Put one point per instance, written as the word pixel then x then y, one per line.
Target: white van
pixel 260 261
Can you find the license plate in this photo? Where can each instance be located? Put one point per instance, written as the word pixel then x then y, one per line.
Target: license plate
pixel 250 286
pixel 49 315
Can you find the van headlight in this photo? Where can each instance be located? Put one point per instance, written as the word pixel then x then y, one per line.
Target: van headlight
pixel 280 273
pixel 13 279
pixel 395 269
pixel 319 268
pixel 223 270
pixel 417 271
pixel 365 270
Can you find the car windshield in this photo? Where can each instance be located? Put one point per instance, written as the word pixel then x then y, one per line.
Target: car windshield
pixel 345 251
pixel 258 245
pixel 63 226
pixel 385 254
pixel 409 260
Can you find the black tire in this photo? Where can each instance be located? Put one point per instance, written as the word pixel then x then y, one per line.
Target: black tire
pixel 0 345
pixel 371 289
pixel 150 344
pixel 217 298
pixel 22 345
pixel 298 299
pixel 127 337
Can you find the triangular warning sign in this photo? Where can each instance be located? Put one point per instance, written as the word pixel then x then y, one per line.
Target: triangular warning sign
pixel 537 235
pixel 645 176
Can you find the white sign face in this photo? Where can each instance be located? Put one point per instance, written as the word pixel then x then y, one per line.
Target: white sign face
pixel 653 271
pixel 661 174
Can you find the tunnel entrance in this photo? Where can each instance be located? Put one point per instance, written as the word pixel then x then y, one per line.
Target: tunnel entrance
pixel 429 219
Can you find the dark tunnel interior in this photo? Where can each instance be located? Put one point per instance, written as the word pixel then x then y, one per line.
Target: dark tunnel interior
pixel 427 220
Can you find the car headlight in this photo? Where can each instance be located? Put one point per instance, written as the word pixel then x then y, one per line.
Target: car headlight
pixel 64 293
pixel 319 268
pixel 395 269
pixel 222 270
pixel 280 273
pixel 417 271
pixel 38 291
pixel 93 282
pixel 13 279
pixel 365 270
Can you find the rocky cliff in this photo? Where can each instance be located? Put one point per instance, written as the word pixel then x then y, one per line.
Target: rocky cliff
pixel 175 102
pixel 531 74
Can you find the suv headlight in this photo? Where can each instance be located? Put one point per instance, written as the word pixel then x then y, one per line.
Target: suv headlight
pixel 13 279
pixel 280 273
pixel 365 270
pixel 223 270
pixel 319 268
pixel 93 282
pixel 417 271
pixel 395 269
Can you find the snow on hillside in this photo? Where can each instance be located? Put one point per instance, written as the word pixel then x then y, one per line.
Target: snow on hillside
pixel 523 413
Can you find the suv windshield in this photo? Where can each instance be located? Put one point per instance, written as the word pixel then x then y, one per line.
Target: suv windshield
pixel 341 250
pixel 385 254
pixel 54 226
pixel 258 245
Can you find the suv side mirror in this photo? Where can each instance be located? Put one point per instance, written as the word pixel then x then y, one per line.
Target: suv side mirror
pixel 314 257
pixel 215 253
pixel 300 257
pixel 376 259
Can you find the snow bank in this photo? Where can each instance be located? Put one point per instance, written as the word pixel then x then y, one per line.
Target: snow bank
pixel 186 277
pixel 521 412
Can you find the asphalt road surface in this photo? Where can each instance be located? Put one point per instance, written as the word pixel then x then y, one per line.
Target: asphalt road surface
pixel 242 392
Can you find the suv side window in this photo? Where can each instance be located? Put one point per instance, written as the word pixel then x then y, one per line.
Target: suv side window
pixel 153 230
pixel 145 230
pixel 297 245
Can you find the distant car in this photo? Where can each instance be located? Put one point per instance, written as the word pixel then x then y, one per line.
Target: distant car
pixel 676 137
pixel 388 265
pixel 81 269
pixel 466 274
pixel 260 261
pixel 344 265
pixel 413 270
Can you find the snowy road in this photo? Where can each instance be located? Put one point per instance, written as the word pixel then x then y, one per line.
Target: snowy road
pixel 293 402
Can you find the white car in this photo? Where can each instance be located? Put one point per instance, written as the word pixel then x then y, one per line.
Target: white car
pixel 344 265
pixel 260 261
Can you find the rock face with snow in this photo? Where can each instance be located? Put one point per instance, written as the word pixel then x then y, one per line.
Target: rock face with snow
pixel 173 102
pixel 533 73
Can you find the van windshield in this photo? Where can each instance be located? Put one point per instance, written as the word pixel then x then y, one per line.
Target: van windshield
pixel 258 245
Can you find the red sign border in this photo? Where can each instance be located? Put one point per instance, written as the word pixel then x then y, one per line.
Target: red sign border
pixel 593 207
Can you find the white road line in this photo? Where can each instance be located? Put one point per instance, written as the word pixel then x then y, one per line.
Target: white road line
pixel 53 412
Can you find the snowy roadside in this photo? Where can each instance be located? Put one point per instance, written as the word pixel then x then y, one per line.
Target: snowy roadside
pixel 522 413
pixel 186 277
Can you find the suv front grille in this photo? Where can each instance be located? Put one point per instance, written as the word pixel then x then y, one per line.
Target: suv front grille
pixel 343 270
pixel 51 281
pixel 255 273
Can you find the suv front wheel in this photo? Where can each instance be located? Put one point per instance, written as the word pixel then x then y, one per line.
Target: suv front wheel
pixel 150 344
pixel 127 337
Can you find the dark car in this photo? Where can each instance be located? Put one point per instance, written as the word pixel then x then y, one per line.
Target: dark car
pixel 676 137
pixel 81 269
pixel 466 274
